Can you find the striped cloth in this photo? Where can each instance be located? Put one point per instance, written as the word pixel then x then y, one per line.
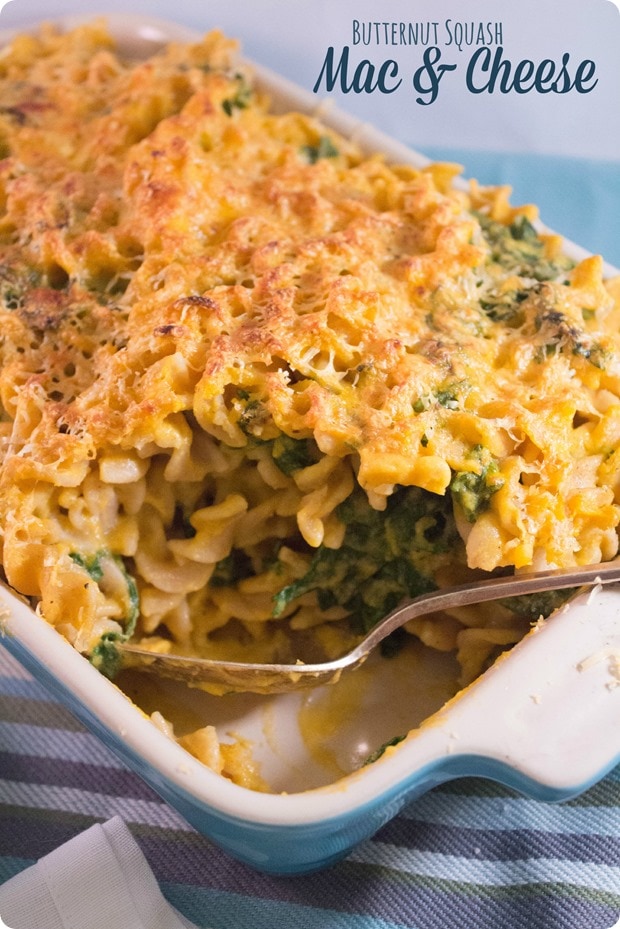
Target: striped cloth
pixel 469 855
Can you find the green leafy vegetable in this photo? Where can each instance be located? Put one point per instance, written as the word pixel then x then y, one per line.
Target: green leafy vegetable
pixel 505 307
pixel 385 556
pixel 105 656
pixel 252 413
pixel 242 98
pixel 448 395
pixel 324 148
pixel 15 282
pixel 561 335
pixel 533 606
pixel 472 490
pixel 105 568
pixel 593 352
pixel 91 564
pixel 520 249
pixel 383 748
pixel 235 567
pixel 292 454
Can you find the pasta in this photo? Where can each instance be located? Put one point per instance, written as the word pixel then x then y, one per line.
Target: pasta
pixel 257 387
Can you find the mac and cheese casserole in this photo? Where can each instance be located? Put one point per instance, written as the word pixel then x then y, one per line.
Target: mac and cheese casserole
pixel 257 387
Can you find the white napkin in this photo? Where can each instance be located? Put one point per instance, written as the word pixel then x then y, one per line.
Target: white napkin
pixel 97 880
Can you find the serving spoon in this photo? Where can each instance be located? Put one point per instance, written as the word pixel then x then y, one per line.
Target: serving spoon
pixel 267 678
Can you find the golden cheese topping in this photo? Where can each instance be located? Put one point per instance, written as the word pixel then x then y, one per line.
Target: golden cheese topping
pixel 256 387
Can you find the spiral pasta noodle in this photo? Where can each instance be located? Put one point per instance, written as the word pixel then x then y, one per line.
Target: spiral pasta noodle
pixel 257 387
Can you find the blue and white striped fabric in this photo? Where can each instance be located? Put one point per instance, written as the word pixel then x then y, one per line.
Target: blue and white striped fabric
pixel 469 855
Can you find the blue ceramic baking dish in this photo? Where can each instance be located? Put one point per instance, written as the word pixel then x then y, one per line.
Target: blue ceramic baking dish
pixel 544 719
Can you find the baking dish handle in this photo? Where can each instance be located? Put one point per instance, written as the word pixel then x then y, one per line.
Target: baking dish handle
pixel 547 721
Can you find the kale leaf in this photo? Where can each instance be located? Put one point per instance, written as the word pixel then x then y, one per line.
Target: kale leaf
pixel 105 656
pixel 235 567
pixel 292 454
pixel 562 336
pixel 383 748
pixel 472 490
pixel 324 148
pixel 519 248
pixel 385 556
pixel 241 99
pixel 533 606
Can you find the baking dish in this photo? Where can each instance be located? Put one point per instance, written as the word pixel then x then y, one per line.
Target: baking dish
pixel 505 726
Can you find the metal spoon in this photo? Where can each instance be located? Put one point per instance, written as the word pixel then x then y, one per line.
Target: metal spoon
pixel 278 678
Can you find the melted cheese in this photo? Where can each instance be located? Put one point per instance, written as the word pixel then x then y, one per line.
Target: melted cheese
pixel 189 281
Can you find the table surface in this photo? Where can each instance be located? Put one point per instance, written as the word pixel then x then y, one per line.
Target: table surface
pixel 469 855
